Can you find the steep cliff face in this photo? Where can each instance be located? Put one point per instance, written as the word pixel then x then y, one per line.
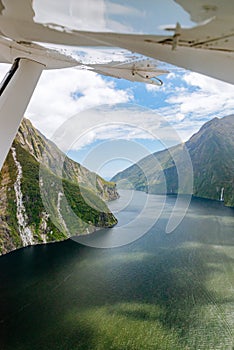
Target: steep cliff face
pixel 212 154
pixel 24 217
pixel 48 154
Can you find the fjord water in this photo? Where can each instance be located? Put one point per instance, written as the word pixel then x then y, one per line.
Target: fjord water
pixel 163 291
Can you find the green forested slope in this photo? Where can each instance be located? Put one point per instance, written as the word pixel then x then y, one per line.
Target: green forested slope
pixel 78 209
pixel 212 155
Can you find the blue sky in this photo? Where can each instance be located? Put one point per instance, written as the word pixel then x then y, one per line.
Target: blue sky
pixel 185 101
pixel 135 16
pixel 149 117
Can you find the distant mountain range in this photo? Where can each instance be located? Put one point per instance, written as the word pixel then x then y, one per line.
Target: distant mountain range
pixel 212 154
pixel 24 219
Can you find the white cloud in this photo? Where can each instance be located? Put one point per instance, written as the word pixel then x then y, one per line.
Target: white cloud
pixel 195 99
pixel 210 97
pixel 4 68
pixel 118 9
pixel 171 75
pixel 53 100
pixel 127 122
pixel 168 84
pixel 153 88
pixel 94 15
pixel 188 99
pixel 73 14
pixel 112 132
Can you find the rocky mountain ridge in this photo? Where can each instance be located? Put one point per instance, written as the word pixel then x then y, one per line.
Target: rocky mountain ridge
pixel 212 154
pixel 33 165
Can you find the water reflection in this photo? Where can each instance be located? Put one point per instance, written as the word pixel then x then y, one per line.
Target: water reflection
pixel 160 292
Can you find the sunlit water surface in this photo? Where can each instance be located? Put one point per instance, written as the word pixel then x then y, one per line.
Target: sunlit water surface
pixel 160 292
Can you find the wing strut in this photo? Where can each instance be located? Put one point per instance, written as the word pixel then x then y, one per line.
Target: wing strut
pixel 15 92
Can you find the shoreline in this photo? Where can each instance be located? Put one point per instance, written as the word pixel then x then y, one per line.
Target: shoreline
pixel 183 195
pixel 220 205
pixel 60 241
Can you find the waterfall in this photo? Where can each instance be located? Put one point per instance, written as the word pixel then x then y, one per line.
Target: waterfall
pixel 26 234
pixel 43 226
pixel 60 195
pixel 221 194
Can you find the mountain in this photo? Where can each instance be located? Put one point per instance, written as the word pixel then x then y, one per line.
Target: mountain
pixel 45 196
pixel 212 154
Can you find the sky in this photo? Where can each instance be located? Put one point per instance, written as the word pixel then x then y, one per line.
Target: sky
pixel 108 124
pixel 135 111
pixel 179 108
pixel 132 16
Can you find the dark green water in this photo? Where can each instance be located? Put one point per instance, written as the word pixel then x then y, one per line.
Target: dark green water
pixel 160 292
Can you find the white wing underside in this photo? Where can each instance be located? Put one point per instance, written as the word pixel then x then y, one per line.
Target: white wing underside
pixel 207 48
pixel 145 71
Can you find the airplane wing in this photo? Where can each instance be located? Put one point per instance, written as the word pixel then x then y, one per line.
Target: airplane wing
pixel 141 70
pixel 201 10
pixel 207 48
